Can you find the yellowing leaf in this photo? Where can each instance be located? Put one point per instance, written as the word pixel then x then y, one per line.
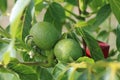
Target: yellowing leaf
pixel 6 58
pixel 9 53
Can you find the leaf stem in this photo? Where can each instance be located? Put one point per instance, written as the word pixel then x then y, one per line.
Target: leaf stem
pixel 71 19
pixel 71 13
pixel 76 16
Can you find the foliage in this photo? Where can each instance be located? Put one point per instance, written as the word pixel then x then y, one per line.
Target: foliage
pixel 86 22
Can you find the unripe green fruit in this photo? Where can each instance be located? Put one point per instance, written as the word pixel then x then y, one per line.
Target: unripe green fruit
pixel 67 50
pixel 44 35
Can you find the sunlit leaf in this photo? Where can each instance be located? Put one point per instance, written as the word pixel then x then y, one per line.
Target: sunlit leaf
pixel 25 23
pixel 71 73
pixel 111 74
pixel 85 59
pixel 37 1
pixel 6 58
pixel 68 7
pixel 16 15
pixel 10 52
pixel 83 5
pixel 81 24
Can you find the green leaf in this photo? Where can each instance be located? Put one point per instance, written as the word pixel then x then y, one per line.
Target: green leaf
pixel 83 5
pixel 3 5
pixel 44 74
pixel 72 35
pixel 112 53
pixel 28 16
pixel 16 14
pixel 59 72
pixel 115 6
pixel 6 76
pixel 101 16
pixel 55 14
pixel 26 22
pixel 39 5
pixel 71 73
pixel 28 76
pixel 92 44
pixel 96 4
pixel 118 38
pixel 10 74
pixel 20 68
pixel 3 32
pixel 25 72
pixel 73 2
pixel 68 7
pixel 103 35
